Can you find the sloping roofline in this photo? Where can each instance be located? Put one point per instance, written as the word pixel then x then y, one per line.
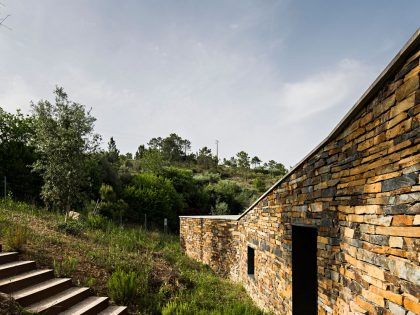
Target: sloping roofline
pixel 370 93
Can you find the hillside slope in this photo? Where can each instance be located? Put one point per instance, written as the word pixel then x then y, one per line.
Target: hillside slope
pixel 92 249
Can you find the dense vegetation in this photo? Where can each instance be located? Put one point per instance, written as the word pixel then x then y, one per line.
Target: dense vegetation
pixel 52 158
pixel 145 270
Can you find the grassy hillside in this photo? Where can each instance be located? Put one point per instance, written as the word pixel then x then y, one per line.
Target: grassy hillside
pixel 100 254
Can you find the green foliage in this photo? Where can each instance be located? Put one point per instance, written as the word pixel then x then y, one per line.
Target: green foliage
pixel 152 161
pixel 191 308
pixel 259 184
pixel 205 159
pixel 17 153
pixel 155 196
pixel 191 191
pixel 123 286
pixel 243 160
pixel 173 147
pixel 235 196
pixel 63 137
pixel 16 237
pixel 107 193
pixel 65 267
pixel 72 227
pixel 89 282
pixel 95 221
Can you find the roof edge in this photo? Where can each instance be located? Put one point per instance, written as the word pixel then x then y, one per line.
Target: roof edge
pixel 390 69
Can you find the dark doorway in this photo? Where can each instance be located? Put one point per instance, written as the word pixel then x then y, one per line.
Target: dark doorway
pixel 304 271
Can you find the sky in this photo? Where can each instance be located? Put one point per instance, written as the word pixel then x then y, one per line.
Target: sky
pixel 270 77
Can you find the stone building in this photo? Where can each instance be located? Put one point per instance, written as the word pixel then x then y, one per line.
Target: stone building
pixel 339 234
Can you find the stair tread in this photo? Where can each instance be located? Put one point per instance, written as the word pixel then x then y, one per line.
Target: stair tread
pixel 113 310
pixel 38 287
pixel 24 275
pixel 2 254
pixel 15 263
pixel 84 306
pixel 55 299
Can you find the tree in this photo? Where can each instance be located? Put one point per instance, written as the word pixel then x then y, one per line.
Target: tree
pixel 154 196
pixel 152 161
pixel 17 153
pixel 255 161
pixel 173 147
pixel 205 159
pixel 113 153
pixel 140 151
pixel 277 169
pixel 243 160
pixel 63 137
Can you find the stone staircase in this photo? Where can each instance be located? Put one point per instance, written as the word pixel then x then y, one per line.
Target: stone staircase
pixel 38 291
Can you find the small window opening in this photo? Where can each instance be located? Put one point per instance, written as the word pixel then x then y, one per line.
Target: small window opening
pixel 251 261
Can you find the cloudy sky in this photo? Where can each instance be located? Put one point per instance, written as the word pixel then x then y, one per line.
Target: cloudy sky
pixel 271 77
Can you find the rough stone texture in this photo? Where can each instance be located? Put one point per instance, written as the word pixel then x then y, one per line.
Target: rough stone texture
pixel 361 190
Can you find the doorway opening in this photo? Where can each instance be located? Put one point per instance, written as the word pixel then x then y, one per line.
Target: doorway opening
pixel 304 271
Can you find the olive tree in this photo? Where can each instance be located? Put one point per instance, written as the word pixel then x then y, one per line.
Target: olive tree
pixel 63 138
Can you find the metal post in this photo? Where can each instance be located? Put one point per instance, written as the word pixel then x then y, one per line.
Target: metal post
pixel 165 225
pixel 217 152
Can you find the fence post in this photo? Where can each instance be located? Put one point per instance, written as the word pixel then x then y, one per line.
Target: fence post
pixel 5 187
pixel 165 225
pixel 145 221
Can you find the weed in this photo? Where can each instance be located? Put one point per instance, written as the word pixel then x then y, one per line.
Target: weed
pixel 123 286
pixel 90 282
pixel 16 237
pixel 71 227
pixel 65 267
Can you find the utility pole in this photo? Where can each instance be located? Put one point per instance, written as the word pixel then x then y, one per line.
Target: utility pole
pixel 217 151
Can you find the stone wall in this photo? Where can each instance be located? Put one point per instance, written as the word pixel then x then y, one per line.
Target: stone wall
pixel 361 190
pixel 211 241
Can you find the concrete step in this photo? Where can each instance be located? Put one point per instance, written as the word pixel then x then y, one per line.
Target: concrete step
pixel 114 310
pixel 8 257
pixel 90 306
pixel 16 267
pixel 59 302
pixel 25 279
pixel 41 291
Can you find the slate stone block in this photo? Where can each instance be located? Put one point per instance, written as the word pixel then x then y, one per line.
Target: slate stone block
pixel 399 182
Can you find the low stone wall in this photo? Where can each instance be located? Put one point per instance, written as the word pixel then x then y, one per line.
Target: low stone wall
pixel 211 241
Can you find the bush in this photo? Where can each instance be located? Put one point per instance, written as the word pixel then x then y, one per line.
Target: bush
pixel 16 237
pixel 71 227
pixel 190 189
pixel 65 267
pixel 155 196
pixel 95 221
pixel 123 286
pixel 237 197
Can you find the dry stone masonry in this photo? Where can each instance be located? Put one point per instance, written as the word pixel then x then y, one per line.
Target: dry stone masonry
pixel 360 189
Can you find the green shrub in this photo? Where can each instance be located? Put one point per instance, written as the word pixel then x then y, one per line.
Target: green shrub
pixel 95 221
pixel 220 208
pixel 71 227
pixel 123 286
pixel 113 210
pixel 65 267
pixel 155 196
pixel 16 237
